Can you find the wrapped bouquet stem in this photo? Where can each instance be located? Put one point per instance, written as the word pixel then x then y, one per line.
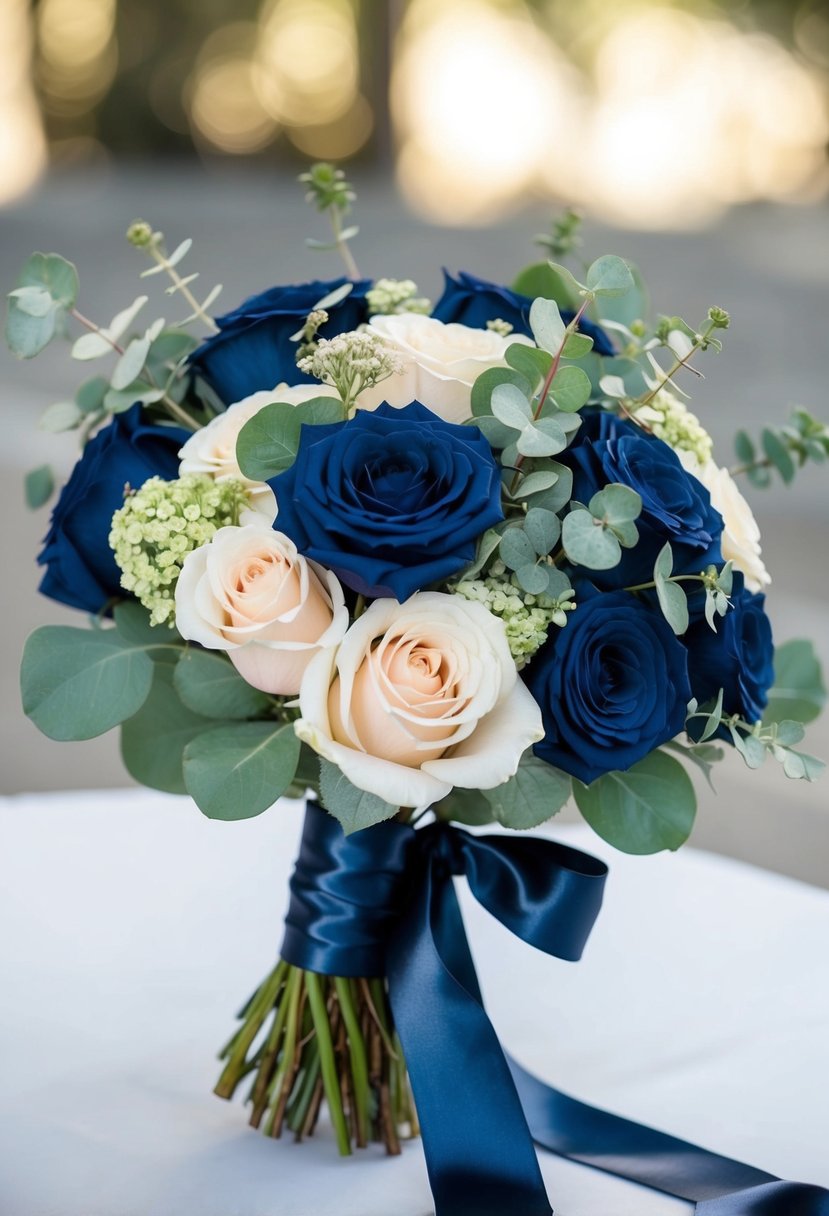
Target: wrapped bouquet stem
pixel 431 568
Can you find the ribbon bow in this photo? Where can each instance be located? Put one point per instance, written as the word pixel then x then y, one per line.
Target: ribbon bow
pixel 383 902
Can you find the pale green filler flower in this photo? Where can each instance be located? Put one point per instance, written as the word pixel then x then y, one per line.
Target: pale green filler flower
pixel 670 420
pixel 526 617
pixel 499 326
pixel 350 363
pixel 160 524
pixel 388 297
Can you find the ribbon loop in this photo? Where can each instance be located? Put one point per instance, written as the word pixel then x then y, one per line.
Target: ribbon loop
pixel 771 1199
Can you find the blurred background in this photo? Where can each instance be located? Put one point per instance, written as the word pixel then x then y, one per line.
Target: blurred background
pixel 693 135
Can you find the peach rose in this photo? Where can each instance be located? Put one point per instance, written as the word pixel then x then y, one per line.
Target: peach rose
pixel 250 593
pixel 419 697
pixel 440 363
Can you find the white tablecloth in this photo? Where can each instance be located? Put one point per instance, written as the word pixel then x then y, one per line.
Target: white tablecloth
pixel 133 928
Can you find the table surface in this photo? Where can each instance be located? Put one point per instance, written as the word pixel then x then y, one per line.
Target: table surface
pixel 133 928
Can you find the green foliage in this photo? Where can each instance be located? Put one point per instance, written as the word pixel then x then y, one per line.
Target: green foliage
pixel 594 536
pixel 644 810
pixel 534 794
pixel 153 739
pixel 564 236
pixel 79 683
pixel 544 280
pixel 46 290
pixel 546 325
pixel 354 808
pixel 38 486
pixel 209 684
pixel 465 806
pixel 799 692
pixel 571 388
pixel 672 599
pixel 238 770
pixel 269 441
pixel 784 449
pixel 609 276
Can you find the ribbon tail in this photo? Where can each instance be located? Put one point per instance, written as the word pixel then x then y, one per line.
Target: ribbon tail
pixel 718 1185
pixel 479 1152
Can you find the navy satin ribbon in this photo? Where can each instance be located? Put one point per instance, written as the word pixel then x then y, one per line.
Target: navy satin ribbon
pixel 383 902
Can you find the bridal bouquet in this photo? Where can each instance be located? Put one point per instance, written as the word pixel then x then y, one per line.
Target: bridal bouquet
pixel 426 567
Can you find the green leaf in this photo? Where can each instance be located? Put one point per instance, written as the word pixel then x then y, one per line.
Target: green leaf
pixel 570 389
pixel 91 346
pixel 239 770
pixel 546 325
pixel 532 578
pixel 777 452
pixel 534 483
pixel 588 543
pixel 488 381
pixel 616 504
pixel 210 685
pixel 644 810
pixel 50 270
pixel 510 406
pixel 798 692
pixel 529 361
pixel 609 276
pixel 38 486
pixel 79 683
pixel 575 289
pixel 31 324
pixel 26 335
pixel 577 346
pixel 546 437
pixel 62 416
pixel 752 749
pixel 559 494
pixel 34 301
pixel 354 808
pixel 496 433
pixel 674 604
pixel 536 793
pixel 789 733
pixel 550 281
pixel 269 441
pixel 116 401
pixel 633 306
pixel 802 766
pixel 487 544
pixel 663 567
pixel 744 447
pixel 464 806
pixel 714 717
pixel 128 368
pixel 132 621
pixel 515 549
pixel 542 529
pixel 153 739
pixel 89 398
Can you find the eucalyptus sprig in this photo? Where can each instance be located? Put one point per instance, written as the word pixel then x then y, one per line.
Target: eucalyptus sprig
pixel 672 597
pixel 331 194
pixel 141 235
pixel 756 740
pixel 785 449
pixel 564 236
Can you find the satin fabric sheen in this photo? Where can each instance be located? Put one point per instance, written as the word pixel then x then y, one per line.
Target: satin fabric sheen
pixel 382 902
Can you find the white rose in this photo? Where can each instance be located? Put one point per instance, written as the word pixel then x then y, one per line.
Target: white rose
pixel 419 697
pixel 212 450
pixel 440 363
pixel 250 593
pixel 741 536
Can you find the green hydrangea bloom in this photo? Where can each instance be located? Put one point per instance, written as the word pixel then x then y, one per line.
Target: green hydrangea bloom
pixel 160 524
pixel 389 297
pixel 526 617
pixel 670 420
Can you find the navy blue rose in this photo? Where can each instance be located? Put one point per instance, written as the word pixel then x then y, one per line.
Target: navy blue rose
pixel 676 507
pixel 473 302
pixel 80 567
pixel 253 350
pixel 394 504
pixel 612 685
pixel 739 657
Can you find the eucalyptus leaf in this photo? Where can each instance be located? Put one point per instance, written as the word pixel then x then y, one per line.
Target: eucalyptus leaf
pixel 210 685
pixel 534 483
pixel 798 692
pixel 238 770
pixel 532 578
pixel 153 739
pixel 38 486
pixel 574 288
pixel 34 301
pixel 559 494
pixel 550 281
pixel 26 335
pixel 777 452
pixel 534 794
pixel 547 326
pixel 487 544
pixel 531 362
pixel 588 543
pixel 91 346
pixel 62 416
pixel 487 382
pixel 516 549
pixel 542 529
pixel 354 808
pixel 648 808
pixel 674 604
pixel 497 434
pixel 546 437
pixel 89 398
pixel 128 368
pixel 609 276
pixel 269 441
pixel 616 504
pixel 789 733
pixel 79 683
pixel 464 806
pixel 55 274
pixel 752 749
pixel 570 389
pixel 510 406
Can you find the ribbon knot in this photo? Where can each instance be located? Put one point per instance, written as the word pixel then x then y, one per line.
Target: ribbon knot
pixel 383 902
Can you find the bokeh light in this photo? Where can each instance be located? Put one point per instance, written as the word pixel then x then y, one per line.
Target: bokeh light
pixel 22 142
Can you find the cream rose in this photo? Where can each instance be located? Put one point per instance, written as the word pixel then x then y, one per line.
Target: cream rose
pixel 440 363
pixel 741 536
pixel 419 697
pixel 250 593
pixel 212 450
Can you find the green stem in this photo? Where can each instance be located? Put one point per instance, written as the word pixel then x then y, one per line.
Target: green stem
pixel 673 578
pixel 343 247
pixel 293 991
pixel 239 1045
pixel 160 258
pixel 357 1055
pixel 679 363
pixel 328 1063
